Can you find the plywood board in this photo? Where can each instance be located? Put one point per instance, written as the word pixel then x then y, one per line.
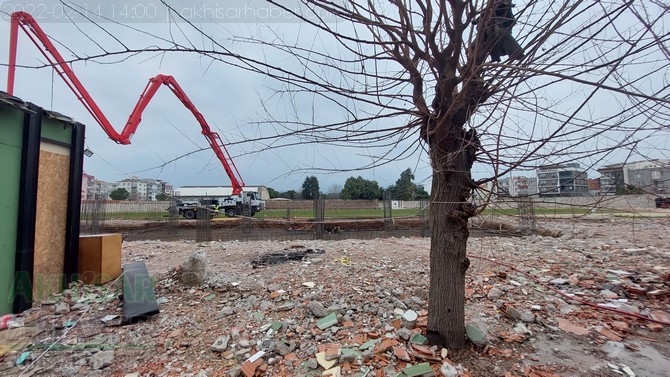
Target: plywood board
pixel 51 220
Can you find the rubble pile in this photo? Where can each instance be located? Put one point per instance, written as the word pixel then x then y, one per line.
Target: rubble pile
pixel 359 308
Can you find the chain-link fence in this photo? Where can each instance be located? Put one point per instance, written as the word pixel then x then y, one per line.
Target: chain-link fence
pixel 280 220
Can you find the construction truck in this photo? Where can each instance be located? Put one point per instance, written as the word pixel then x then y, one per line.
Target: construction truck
pixel 662 202
pixel 245 204
pixel 192 209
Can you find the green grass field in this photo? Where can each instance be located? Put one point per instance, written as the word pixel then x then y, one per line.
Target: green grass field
pixel 362 213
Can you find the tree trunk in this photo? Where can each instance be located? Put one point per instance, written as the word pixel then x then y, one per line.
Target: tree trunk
pixel 450 210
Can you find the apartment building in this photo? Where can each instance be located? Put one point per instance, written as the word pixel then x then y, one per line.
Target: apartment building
pixel 562 180
pixel 141 189
pixel 651 176
pixel 517 186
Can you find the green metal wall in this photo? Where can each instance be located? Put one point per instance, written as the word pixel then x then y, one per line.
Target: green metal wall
pixel 56 130
pixel 11 139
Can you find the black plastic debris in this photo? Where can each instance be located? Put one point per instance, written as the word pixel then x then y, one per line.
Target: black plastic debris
pixel 139 298
pixel 283 257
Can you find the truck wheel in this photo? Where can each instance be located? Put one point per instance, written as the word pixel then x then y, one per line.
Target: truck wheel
pixel 231 213
pixel 246 213
pixel 189 214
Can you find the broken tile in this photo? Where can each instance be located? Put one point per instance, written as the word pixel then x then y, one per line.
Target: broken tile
pixel 369 344
pixel 332 372
pixel 422 369
pixel 326 364
pixel 418 339
pixel 327 321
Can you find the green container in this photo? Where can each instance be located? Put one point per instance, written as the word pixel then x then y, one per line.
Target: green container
pixel 11 141
pixel 26 130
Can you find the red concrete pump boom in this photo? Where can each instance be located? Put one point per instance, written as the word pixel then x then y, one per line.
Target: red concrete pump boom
pixel 26 22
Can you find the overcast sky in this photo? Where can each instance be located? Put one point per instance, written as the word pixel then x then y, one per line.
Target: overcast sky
pixel 230 99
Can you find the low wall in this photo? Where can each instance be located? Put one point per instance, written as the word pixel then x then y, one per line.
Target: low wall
pixel 610 201
pixel 119 206
pixel 330 204
pixel 607 201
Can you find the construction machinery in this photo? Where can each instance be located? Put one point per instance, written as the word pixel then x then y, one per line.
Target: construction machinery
pixel 662 202
pixel 29 25
pixel 245 204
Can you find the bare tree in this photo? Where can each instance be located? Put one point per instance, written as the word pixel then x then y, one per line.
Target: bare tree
pixel 469 81
pixel 436 65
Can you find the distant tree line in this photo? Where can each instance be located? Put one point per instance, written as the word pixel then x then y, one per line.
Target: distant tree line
pixel 358 188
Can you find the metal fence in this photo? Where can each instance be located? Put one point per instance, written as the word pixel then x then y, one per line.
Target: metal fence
pixel 281 220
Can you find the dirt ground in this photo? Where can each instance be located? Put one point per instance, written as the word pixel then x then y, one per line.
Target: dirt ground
pixel 594 301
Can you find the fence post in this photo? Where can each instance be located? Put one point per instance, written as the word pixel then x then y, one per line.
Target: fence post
pixel 246 220
pixel 526 216
pixel 203 231
pixel 425 222
pixel 93 213
pixel 173 220
pixel 388 210
pixel 319 216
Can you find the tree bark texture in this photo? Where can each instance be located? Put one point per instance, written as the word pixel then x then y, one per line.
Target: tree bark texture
pixel 452 155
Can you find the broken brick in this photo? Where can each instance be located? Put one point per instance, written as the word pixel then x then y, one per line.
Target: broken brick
pixel 570 327
pixel 384 345
pixel 401 353
pixel 609 334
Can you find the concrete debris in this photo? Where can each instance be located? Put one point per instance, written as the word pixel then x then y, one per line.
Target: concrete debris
pixel 220 344
pixel 62 308
pixel 448 370
pixel 512 313
pixel 282 348
pixel 194 270
pixel 317 309
pixel 102 359
pixel 476 334
pixel 409 319
pixel 494 293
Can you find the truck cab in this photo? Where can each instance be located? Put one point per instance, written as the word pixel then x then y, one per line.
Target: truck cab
pixel 245 204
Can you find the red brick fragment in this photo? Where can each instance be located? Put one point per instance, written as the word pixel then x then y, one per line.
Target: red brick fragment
pixel 610 334
pixel 401 353
pixel 248 369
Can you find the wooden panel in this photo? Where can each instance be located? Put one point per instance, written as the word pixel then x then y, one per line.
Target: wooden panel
pixel 99 258
pixel 51 220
